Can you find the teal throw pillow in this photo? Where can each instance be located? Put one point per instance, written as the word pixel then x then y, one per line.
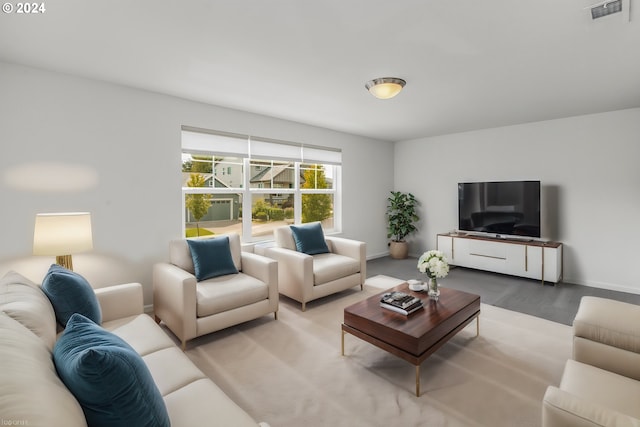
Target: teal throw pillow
pixel 211 257
pixel 309 238
pixel 108 378
pixel 70 293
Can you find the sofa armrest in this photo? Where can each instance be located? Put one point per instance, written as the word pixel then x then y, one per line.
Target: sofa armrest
pixel 174 299
pixel 562 409
pixel 119 301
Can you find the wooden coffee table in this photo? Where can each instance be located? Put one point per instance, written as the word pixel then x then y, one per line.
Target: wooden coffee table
pixel 418 335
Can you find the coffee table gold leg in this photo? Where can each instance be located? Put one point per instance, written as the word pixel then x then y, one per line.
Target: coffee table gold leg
pixel 342 346
pixel 418 380
pixel 478 326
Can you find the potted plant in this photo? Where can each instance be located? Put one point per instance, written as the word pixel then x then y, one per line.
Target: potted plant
pixel 401 215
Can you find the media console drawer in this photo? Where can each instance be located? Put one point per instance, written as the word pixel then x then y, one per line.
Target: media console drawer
pixel 487 249
pixel 532 259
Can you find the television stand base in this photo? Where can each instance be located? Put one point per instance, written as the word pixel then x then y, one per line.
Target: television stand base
pixel 534 259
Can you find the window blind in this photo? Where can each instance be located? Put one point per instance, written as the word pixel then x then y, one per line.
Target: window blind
pixel 227 144
pixel 262 149
pixel 208 143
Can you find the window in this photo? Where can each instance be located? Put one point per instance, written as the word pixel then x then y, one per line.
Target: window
pixel 234 183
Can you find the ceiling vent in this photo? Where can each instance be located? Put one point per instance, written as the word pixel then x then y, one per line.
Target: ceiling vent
pixel 606 8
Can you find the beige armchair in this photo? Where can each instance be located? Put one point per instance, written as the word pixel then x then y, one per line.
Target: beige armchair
pixel 305 278
pixel 600 386
pixel 191 308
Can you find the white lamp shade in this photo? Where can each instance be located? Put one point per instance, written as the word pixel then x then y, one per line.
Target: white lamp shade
pixel 62 233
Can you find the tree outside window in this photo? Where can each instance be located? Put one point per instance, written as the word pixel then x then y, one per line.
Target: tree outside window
pixel 197 204
pixel 315 207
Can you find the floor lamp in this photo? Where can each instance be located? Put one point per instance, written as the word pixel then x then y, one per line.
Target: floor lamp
pixel 62 234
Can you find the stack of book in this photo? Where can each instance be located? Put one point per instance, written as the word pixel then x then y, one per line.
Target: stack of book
pixel 400 302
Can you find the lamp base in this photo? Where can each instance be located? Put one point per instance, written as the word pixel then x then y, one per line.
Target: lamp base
pixel 65 261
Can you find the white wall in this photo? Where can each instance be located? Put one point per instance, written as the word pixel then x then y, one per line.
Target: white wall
pixel 588 167
pixel 121 147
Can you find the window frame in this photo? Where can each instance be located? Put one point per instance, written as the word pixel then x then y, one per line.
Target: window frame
pixel 248 192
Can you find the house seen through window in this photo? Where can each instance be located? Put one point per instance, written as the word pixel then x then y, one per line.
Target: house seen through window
pixel 232 183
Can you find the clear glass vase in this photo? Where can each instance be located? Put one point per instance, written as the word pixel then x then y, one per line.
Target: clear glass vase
pixel 434 292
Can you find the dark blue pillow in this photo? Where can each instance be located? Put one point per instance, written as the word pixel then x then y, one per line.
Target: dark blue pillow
pixel 70 293
pixel 211 257
pixel 309 238
pixel 108 378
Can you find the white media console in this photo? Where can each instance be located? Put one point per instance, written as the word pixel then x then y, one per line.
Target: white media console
pixel 525 258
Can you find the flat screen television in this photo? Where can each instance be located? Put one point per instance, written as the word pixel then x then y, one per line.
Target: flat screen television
pixel 501 208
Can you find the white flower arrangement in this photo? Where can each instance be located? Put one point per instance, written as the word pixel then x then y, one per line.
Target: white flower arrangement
pixel 434 264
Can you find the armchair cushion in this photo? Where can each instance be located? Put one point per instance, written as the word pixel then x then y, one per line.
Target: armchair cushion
pixel 109 379
pixel 309 238
pixel 211 257
pixel 70 293
pixel 228 292
pixel 330 266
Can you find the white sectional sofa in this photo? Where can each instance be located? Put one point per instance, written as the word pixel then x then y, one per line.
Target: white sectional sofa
pixel 31 392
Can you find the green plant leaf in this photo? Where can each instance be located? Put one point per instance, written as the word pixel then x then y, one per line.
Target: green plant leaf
pixel 401 215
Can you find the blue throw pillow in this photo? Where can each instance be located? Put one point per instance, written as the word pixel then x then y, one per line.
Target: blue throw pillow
pixel 211 257
pixel 70 293
pixel 108 378
pixel 309 238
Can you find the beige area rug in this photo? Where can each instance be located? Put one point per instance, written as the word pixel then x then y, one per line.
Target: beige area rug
pixel 289 372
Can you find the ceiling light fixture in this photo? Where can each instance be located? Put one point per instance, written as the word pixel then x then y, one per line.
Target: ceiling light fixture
pixel 385 87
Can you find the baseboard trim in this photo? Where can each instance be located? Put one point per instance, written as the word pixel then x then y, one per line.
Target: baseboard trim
pixel 602 285
pixel 378 255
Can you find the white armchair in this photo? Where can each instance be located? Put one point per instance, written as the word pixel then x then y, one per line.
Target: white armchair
pixel 600 386
pixel 305 278
pixel 191 308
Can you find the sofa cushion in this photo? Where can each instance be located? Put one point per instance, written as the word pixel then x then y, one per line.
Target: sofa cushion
pixel 203 400
pixel 70 293
pixel 309 238
pixel 24 301
pixel 141 333
pixel 328 267
pixel 180 255
pixel 228 292
pixel 211 257
pixel 109 379
pixel 182 371
pixel 31 393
